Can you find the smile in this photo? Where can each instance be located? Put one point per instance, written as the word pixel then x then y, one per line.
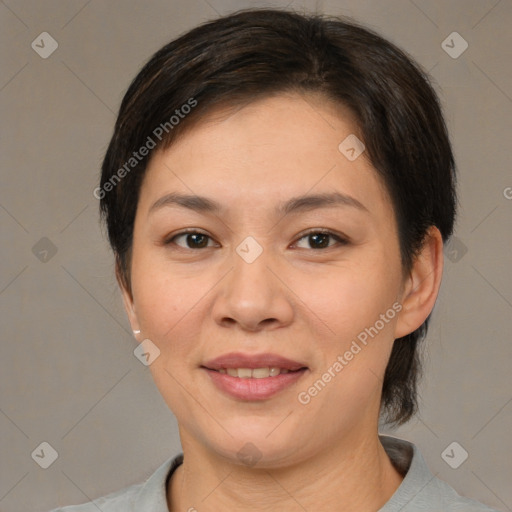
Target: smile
pixel 255 373
pixel 253 377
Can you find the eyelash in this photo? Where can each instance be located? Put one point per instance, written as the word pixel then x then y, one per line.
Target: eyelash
pixel 338 237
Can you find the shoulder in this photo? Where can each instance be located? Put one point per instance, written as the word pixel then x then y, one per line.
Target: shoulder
pixel 421 491
pixel 442 496
pixel 143 497
pixel 122 500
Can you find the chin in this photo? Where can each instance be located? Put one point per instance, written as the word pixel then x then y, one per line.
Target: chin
pixel 256 442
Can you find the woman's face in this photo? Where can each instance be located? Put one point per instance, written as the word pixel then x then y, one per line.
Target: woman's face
pixel 258 281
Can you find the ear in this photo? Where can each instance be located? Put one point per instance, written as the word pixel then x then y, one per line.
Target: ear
pixel 421 287
pixel 126 292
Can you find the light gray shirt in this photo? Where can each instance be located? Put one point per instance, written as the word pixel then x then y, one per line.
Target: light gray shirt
pixel 420 491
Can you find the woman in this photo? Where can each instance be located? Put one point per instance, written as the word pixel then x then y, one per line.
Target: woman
pixel 277 192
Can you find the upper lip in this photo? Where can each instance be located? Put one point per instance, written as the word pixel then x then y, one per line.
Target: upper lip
pixel 252 361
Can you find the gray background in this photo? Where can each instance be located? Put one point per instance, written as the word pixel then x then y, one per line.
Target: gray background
pixel 68 375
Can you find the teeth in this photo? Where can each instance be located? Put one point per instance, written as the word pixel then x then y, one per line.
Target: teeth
pixel 274 371
pixel 256 373
pixel 244 373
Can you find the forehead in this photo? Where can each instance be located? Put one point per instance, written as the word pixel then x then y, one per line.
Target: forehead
pixel 264 153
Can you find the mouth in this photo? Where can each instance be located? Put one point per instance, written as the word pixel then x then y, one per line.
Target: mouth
pixel 256 373
pixel 253 377
pixel 239 361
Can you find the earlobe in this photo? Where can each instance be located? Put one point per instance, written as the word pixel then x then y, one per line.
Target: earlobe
pixel 422 285
pixel 128 301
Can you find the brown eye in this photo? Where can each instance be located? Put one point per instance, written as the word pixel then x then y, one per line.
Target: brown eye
pixel 192 240
pixel 322 240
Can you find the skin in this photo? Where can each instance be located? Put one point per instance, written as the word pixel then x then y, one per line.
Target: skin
pixel 296 300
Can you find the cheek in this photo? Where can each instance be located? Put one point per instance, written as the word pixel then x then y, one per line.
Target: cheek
pixel 361 309
pixel 167 305
pixel 351 297
pixel 169 310
pixel 358 302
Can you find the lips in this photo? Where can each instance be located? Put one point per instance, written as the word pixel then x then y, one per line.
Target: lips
pixel 253 377
pixel 238 360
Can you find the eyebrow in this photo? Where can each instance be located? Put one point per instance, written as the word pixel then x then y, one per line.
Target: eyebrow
pixel 294 205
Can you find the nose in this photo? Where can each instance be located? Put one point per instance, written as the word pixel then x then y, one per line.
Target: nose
pixel 252 297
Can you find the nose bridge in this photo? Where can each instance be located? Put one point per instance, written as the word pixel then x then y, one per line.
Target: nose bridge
pixel 250 270
pixel 252 295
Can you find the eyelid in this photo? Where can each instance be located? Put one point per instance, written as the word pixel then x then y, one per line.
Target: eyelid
pixel 187 230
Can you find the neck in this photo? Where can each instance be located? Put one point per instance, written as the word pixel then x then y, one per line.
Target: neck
pixel 355 475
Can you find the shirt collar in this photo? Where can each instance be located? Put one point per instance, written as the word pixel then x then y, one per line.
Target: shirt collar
pixel 406 457
pixel 152 495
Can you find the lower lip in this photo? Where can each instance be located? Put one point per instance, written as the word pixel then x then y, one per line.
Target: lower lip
pixel 253 389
